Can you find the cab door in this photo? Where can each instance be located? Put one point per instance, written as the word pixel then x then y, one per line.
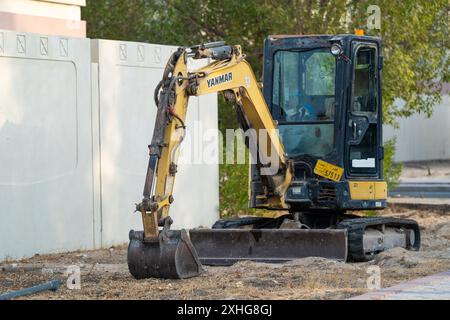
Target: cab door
pixel 364 152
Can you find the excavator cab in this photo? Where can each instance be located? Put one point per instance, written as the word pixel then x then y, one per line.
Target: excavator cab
pixel 324 92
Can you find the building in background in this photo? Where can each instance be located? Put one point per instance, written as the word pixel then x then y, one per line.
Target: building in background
pixel 52 17
pixel 422 138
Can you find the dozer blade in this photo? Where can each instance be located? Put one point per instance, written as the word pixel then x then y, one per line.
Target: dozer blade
pixel 227 246
pixel 171 256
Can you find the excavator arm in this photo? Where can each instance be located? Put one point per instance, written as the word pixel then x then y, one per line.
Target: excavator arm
pixel 170 253
pixel 230 74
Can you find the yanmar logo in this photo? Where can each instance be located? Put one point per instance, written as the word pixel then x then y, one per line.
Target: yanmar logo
pixel 227 77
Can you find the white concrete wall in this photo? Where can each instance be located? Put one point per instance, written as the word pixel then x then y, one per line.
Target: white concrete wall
pixel 46 189
pixel 128 74
pixel 421 138
pixel 73 144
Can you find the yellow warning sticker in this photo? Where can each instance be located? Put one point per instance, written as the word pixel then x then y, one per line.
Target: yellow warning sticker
pixel 328 170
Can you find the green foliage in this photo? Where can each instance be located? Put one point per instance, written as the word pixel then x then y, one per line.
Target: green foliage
pixel 391 169
pixel 416 61
pixel 414 32
pixel 132 20
pixel 227 116
pixel 233 189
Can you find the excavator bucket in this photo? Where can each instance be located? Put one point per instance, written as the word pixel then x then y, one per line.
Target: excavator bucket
pixel 170 256
pixel 227 246
pixel 177 255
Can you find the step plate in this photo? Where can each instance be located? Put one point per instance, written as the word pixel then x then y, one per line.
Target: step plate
pixel 222 247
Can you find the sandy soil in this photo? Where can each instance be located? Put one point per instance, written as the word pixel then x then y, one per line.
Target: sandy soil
pixel 104 273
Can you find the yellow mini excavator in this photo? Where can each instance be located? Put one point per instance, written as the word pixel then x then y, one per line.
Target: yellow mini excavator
pixel 317 153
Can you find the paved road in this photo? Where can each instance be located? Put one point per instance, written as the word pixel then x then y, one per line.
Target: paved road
pixel 435 287
pixel 422 188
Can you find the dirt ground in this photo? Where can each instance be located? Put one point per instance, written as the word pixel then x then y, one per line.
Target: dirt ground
pixel 104 273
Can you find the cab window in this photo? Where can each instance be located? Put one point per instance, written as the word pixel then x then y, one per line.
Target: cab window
pixel 304 85
pixel 304 99
pixel 365 82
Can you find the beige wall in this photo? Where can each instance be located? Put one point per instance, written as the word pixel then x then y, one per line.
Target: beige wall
pixel 55 17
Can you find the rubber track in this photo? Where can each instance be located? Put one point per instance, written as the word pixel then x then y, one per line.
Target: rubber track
pixel 356 227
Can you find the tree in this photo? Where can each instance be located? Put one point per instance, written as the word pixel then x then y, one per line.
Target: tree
pixel 414 32
pixel 416 52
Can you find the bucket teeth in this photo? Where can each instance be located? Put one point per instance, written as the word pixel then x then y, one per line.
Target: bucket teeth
pixel 171 256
